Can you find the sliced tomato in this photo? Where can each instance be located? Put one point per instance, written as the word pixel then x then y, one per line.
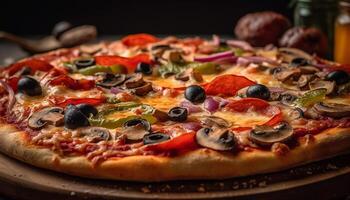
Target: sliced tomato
pixel 63 102
pixel 227 85
pixel 192 41
pixel 129 63
pixel 140 39
pixel 260 106
pixel 82 84
pixel 33 64
pixel 13 82
pixel 177 145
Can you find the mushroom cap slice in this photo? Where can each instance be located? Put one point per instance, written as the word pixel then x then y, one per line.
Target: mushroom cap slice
pixel 94 134
pixel 267 135
pixel 136 129
pixel 39 119
pixel 143 90
pixel 328 85
pixel 216 138
pixel 334 110
pixel 108 80
pixel 136 80
pixel 215 121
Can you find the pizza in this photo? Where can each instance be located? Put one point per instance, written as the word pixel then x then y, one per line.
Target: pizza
pixel 144 108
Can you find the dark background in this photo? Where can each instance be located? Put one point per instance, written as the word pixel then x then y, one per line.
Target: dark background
pixel 132 16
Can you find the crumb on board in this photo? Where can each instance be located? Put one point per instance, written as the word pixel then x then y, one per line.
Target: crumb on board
pixel 262 184
pixel 145 190
pixel 201 189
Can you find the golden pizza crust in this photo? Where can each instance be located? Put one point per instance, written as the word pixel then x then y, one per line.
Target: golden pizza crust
pixel 198 164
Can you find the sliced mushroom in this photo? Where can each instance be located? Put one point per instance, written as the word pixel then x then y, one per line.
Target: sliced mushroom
pixel 210 121
pixel 160 115
pixel 189 74
pixel 308 69
pixel 285 75
pixel 267 135
pixel 288 54
pixel 94 134
pixel 287 98
pixel 174 55
pixel 136 129
pixel 50 115
pixel 328 85
pixel 108 80
pixel 136 80
pixel 296 113
pixel 304 80
pixel 143 90
pixel 216 138
pixel 334 110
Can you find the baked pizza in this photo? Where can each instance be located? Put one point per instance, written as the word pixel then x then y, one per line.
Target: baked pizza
pixel 154 109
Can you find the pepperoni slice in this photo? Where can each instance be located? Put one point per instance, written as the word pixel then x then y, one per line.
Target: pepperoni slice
pixel 258 105
pixel 227 85
pixel 140 39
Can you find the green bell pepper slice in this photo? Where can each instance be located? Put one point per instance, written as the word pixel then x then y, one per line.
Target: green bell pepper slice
pixel 205 68
pixel 115 123
pixel 311 97
pixel 114 69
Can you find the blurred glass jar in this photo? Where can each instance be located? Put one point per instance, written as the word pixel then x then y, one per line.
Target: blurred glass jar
pixel 342 34
pixel 317 13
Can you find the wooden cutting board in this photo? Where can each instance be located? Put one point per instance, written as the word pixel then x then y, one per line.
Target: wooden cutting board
pixel 320 180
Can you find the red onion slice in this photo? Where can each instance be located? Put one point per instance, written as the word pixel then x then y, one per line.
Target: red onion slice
pixel 230 60
pixel 193 126
pixel 214 57
pixel 256 60
pixel 211 104
pixel 12 99
pixel 216 40
pixel 116 90
pixel 240 44
pixel 276 89
pixel 190 107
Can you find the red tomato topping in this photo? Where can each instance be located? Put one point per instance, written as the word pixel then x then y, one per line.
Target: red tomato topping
pixel 82 84
pixel 227 85
pixel 140 39
pixel 33 64
pixel 177 145
pixel 130 63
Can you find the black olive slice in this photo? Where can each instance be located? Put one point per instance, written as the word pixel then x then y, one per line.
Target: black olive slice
pixel 83 63
pixel 178 114
pixel 29 86
pixel 155 138
pixel 74 118
pixel 87 109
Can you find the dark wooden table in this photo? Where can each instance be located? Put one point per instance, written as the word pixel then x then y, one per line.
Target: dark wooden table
pixel 329 179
